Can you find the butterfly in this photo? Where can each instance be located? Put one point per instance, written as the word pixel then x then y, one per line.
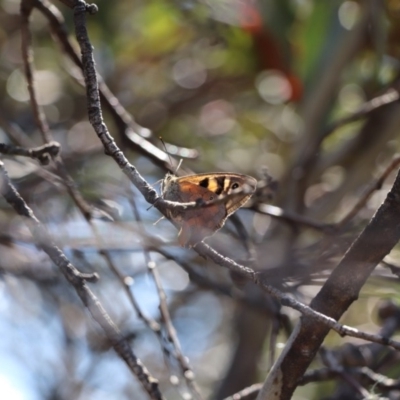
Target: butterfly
pixel 199 223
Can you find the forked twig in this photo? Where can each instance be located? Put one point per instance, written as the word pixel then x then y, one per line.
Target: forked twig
pixel 41 153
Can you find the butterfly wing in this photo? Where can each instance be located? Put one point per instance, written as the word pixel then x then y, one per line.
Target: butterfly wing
pixel 197 224
pixel 223 184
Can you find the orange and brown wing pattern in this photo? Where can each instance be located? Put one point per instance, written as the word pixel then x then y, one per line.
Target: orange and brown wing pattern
pixel 197 224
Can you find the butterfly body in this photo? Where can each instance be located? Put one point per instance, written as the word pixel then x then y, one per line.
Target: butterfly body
pixel 199 223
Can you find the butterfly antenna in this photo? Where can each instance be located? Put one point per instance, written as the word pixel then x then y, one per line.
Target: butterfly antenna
pixel 166 151
pixel 169 156
pixel 179 165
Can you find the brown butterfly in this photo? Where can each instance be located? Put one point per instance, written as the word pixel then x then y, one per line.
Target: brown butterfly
pixel 197 224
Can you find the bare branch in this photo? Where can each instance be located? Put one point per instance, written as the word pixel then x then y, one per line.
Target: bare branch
pixel 134 134
pixel 390 96
pixel 367 195
pixel 78 281
pixel 338 293
pixel 186 369
pixel 249 393
pixel 42 153
pixel 27 57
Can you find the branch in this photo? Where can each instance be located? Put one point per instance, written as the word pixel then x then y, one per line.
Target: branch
pixel 39 115
pixel 134 134
pixel 293 218
pixel 340 290
pixel 373 187
pixel 94 106
pixel 249 393
pixel 389 97
pixel 185 368
pixel 42 153
pixel 79 283
pixel 27 57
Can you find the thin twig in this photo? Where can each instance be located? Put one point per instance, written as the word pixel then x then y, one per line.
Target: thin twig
pixel 127 285
pixel 255 303
pixel 389 97
pixel 94 106
pixel 249 393
pixel 27 57
pixel 126 282
pixel 288 301
pixel 172 336
pixel 368 193
pixel 376 379
pixel 330 359
pixel 290 217
pixel 79 283
pixel 134 134
pixel 293 218
pixel 42 153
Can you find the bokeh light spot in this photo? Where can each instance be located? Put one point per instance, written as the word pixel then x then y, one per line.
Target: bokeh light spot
pixel 349 12
pixel 16 86
pixel 351 97
pixel 333 177
pixel 189 73
pixel 217 117
pixel 47 85
pixel 273 87
pixel 81 137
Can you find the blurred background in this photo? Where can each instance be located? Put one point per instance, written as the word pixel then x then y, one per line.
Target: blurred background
pixel 238 86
